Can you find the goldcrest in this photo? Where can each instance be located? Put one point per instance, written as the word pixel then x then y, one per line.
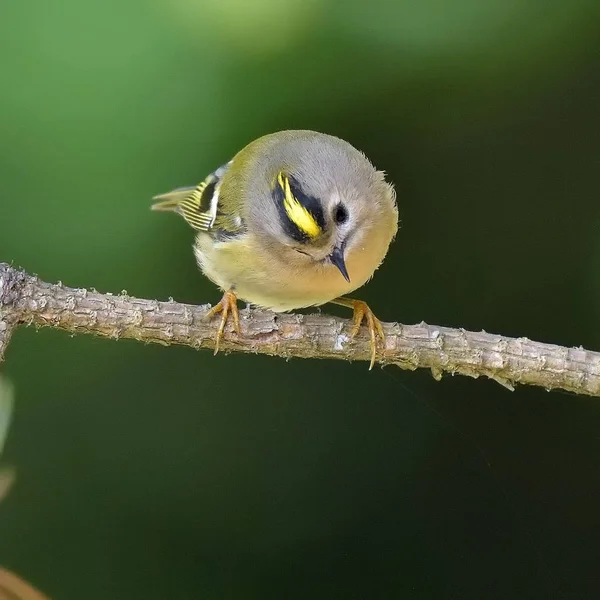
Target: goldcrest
pixel 295 219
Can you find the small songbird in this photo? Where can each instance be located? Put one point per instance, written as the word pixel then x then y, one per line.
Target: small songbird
pixel 295 219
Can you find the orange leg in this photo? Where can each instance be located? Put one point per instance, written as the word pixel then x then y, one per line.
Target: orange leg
pixel 362 312
pixel 228 304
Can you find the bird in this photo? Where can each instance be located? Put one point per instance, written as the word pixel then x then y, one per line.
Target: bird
pixel 296 219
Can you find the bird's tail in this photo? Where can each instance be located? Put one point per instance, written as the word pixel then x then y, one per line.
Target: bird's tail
pixel 171 200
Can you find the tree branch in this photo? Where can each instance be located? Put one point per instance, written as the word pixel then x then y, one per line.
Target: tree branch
pixel 25 300
pixel 9 279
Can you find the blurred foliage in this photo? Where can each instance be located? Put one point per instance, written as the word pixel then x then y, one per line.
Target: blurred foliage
pixel 6 408
pixel 166 473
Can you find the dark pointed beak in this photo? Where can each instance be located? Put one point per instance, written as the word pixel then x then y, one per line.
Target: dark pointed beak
pixel 337 258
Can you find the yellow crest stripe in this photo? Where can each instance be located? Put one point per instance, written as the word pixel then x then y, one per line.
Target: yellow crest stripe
pixel 297 213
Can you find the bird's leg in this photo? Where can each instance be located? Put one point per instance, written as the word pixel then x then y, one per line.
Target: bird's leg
pixel 362 312
pixel 227 304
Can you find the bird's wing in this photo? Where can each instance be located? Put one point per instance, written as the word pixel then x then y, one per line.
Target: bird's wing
pixel 198 205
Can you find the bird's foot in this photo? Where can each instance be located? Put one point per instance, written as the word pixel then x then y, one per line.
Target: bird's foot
pixel 226 306
pixel 362 312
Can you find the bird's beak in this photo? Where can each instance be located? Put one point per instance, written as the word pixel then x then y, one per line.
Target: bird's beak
pixel 337 258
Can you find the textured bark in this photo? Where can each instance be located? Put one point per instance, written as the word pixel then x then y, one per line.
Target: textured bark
pixel 9 279
pixel 25 300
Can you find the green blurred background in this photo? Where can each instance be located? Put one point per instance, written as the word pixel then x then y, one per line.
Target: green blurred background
pixel 158 473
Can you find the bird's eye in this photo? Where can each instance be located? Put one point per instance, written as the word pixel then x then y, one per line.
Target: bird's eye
pixel 340 214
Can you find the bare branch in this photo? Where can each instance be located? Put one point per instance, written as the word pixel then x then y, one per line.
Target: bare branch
pixel 6 329
pixel 8 318
pixel 26 300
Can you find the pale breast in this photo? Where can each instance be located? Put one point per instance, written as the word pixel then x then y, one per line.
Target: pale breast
pixel 287 280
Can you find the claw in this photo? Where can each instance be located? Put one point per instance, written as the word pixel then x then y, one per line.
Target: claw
pixel 227 304
pixel 362 312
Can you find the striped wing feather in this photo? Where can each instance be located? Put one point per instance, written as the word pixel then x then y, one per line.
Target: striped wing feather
pixel 192 203
pixel 203 208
